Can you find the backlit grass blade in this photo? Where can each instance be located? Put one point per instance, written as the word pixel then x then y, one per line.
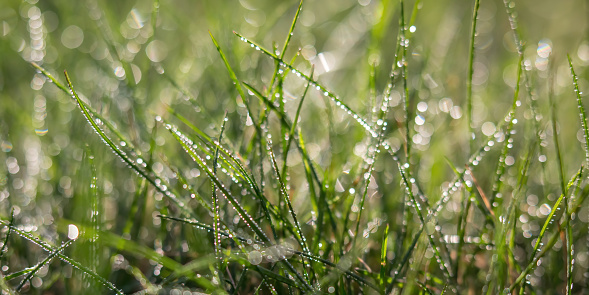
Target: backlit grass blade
pixel 96 213
pixel 508 141
pixel 582 114
pixel 406 102
pixel 383 259
pixel 210 228
pixel 155 181
pixel 270 210
pixel 300 237
pixel 217 210
pixel 462 218
pixel 94 113
pixel 235 237
pixel 538 253
pixel 236 163
pixel 471 55
pixel 285 46
pixel 408 188
pixel 19 273
pixel 249 221
pixel 44 262
pixel 549 220
pixel 4 287
pixel 314 84
pixel 51 249
pixel 310 170
pixel 10 225
pixel 291 134
pixel 235 81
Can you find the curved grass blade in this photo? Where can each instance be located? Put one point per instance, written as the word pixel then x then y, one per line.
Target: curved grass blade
pixel 249 221
pixel 94 113
pixel 313 83
pixel 535 255
pixel 235 81
pixel 555 207
pixel 310 170
pixel 582 114
pixel 51 249
pixel 235 237
pixel 538 254
pixel 235 164
pixel 155 181
pixel 270 210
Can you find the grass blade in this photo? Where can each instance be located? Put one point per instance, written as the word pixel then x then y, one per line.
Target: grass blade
pixel 235 81
pixel 383 259
pixel 44 262
pixel 10 225
pixel 155 181
pixel 539 253
pixel 300 237
pixel 582 114
pixel 471 55
pixel 313 83
pixel 249 221
pixel 51 249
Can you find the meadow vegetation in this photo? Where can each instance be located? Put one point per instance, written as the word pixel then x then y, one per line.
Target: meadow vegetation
pixel 285 147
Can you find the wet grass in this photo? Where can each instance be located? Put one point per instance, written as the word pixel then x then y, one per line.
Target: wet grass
pixel 374 147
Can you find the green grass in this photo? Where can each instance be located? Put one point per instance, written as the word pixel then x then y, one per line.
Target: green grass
pixel 293 147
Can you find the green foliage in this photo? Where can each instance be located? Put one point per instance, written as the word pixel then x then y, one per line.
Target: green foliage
pixel 274 147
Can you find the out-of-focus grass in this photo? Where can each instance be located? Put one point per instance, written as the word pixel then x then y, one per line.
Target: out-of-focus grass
pixel 293 195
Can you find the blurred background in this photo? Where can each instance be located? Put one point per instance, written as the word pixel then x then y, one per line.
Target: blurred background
pixel 132 59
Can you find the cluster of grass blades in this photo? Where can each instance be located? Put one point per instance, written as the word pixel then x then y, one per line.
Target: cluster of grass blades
pixel 295 189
